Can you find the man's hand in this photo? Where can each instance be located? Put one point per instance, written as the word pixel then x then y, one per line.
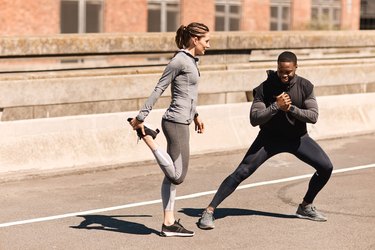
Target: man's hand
pixel 283 101
pixel 199 125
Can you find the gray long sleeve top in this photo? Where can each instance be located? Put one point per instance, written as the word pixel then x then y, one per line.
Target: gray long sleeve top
pixel 183 75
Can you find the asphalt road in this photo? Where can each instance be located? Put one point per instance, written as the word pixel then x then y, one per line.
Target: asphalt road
pixel 120 208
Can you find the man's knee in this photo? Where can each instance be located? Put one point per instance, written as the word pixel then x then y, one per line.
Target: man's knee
pixel 244 171
pixel 240 175
pixel 329 168
pixel 326 169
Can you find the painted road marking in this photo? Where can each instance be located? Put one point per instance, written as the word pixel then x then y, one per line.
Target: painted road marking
pixel 184 197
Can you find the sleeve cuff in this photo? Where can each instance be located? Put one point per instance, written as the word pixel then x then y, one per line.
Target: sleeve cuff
pixel 274 107
pixel 292 108
pixel 139 118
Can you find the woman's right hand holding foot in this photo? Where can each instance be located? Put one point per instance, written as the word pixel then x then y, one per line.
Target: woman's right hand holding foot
pixel 137 125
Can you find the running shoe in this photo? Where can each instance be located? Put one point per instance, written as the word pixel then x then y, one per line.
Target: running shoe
pixel 175 230
pixel 309 212
pixel 148 131
pixel 207 220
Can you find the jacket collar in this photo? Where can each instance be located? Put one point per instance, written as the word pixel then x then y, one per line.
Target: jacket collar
pixel 273 74
pixel 196 59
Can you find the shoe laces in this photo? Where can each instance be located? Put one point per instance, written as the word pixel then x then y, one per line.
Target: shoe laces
pixel 208 213
pixel 310 207
pixel 178 222
pixel 179 226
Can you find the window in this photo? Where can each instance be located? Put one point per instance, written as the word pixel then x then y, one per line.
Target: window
pixel 227 15
pixel 280 15
pixel 367 15
pixel 163 15
pixel 325 14
pixel 81 16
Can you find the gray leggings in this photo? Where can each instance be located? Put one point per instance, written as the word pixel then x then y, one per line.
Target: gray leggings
pixel 174 163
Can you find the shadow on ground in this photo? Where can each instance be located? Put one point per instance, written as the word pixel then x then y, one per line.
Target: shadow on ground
pixel 224 212
pixel 111 223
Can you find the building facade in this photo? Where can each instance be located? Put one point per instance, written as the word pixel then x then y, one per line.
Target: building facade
pixel 46 17
pixel 367 15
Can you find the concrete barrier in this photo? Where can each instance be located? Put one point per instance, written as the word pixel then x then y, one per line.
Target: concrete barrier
pixel 77 143
pixel 119 43
pixel 126 87
pixel 81 74
pixel 42 98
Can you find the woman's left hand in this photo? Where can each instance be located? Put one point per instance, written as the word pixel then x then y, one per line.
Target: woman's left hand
pixel 199 125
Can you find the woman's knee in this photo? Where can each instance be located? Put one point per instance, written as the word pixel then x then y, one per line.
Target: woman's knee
pixel 178 181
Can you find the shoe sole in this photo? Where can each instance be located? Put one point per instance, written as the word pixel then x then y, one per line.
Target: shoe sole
pixel 172 234
pixel 205 227
pixel 155 132
pixel 310 218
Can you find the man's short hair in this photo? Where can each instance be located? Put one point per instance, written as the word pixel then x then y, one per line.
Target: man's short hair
pixel 287 56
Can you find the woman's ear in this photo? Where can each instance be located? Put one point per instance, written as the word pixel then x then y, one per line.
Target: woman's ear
pixel 195 40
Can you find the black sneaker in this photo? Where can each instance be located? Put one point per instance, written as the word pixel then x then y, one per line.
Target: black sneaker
pixel 148 131
pixel 175 230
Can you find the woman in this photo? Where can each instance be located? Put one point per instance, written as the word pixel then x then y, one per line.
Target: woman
pixel 183 74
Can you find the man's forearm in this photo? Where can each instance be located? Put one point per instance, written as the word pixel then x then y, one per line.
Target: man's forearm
pixel 260 114
pixel 309 114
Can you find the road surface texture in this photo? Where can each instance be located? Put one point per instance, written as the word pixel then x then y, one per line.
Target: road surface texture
pixel 119 208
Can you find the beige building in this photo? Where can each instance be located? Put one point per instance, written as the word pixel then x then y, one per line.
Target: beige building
pixel 45 17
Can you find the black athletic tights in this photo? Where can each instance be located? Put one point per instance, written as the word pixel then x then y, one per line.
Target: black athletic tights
pixel 304 148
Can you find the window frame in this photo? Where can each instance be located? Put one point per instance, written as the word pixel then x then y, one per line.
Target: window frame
pixel 164 6
pixel 82 20
pixel 227 15
pixel 280 21
pixel 333 6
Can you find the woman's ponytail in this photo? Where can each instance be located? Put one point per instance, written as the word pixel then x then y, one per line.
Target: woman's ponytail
pixel 185 33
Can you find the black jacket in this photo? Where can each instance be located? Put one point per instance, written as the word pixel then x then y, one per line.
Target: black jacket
pixel 275 123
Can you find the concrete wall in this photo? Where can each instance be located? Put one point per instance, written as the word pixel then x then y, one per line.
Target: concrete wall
pixel 52 97
pixel 341 65
pixel 82 143
pixel 73 92
pixel 125 43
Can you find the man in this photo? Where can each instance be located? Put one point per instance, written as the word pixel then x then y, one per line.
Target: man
pixel 282 106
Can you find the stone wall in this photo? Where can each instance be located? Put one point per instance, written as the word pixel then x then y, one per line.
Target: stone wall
pixel 84 105
pixel 113 73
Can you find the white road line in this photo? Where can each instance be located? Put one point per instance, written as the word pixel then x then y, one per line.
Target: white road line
pixel 184 197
